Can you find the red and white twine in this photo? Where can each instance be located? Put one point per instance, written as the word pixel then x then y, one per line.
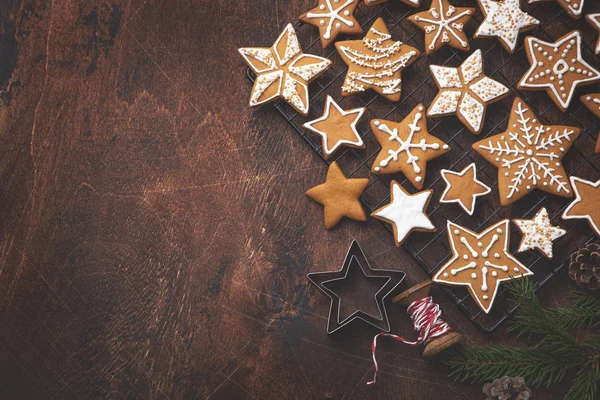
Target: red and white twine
pixel 425 315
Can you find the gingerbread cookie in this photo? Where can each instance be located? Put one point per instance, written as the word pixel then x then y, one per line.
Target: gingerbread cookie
pixel 405 212
pixel 339 196
pixel 443 24
pixel 538 233
pixel 465 92
pixel 557 68
pixel 528 155
pixel 573 7
pixel 586 204
pixel 594 20
pixel 592 103
pixel 333 17
pixel 375 62
pixel 406 146
pixel 463 188
pixel 283 71
pixel 337 128
pixel 412 3
pixel 504 19
pixel 480 261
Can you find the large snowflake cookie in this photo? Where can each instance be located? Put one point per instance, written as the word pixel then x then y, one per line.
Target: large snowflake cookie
pixel 412 3
pixel 443 24
pixel 557 68
pixel 480 261
pixel 592 103
pixel 405 212
pixel 594 20
pixel 573 7
pixel 465 92
pixel 333 17
pixel 283 71
pixel 504 19
pixel 528 155
pixel 463 188
pixel 406 146
pixel 586 204
pixel 375 62
pixel 538 233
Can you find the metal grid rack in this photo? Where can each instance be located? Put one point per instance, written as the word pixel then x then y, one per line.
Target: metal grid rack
pixel 432 250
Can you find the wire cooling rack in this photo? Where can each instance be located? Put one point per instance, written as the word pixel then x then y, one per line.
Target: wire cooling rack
pixel 431 251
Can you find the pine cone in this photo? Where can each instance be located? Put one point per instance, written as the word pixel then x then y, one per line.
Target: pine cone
pixel 507 388
pixel 584 267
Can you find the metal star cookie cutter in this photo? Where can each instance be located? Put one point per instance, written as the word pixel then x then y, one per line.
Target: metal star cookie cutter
pixel 355 258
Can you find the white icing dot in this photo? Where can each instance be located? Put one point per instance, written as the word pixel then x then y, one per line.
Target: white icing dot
pixel 418 179
pixel 445 275
pixel 474 275
pixel 456 232
pixel 376 123
pixel 486 297
pixel 494 274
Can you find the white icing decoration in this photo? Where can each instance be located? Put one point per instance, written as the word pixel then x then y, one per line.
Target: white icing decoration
pixel 539 233
pixel 444 24
pixel 575 181
pixel 594 20
pixel 334 15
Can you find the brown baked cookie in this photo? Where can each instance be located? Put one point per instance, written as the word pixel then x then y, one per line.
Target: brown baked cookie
pixel 538 233
pixel 443 24
pixel 412 3
pixel 406 146
pixel 528 155
pixel 480 261
pixel 558 68
pixel 375 62
pixel 592 103
pixel 339 196
pixel 573 7
pixel 594 21
pixel 586 204
pixel 333 17
pixel 463 188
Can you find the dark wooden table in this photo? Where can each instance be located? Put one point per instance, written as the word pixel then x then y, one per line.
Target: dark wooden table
pixel 154 233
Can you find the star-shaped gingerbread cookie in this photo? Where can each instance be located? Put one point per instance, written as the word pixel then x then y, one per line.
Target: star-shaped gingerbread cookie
pixel 528 155
pixel 339 196
pixel 592 103
pixel 573 7
pixel 558 68
pixel 594 20
pixel 412 3
pixel 443 24
pixel 504 19
pixel 283 71
pixel 333 17
pixel 463 188
pixel 465 92
pixel 375 62
pixel 480 261
pixel 405 212
pixel 406 146
pixel 586 204
pixel 538 233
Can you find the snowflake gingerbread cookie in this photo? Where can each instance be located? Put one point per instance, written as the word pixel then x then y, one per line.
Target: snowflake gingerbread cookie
pixel 375 62
pixel 573 7
pixel 443 24
pixel 465 92
pixel 283 71
pixel 480 261
pixel 558 68
pixel 594 20
pixel 333 17
pixel 463 188
pixel 592 103
pixel 412 3
pixel 504 19
pixel 528 155
pixel 538 233
pixel 406 146
pixel 586 204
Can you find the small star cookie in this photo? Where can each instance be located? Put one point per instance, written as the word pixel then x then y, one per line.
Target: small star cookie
pixel 465 92
pixel 412 3
pixel 558 68
pixel 337 127
pixel 594 20
pixel 573 7
pixel 333 17
pixel 504 19
pixel 480 261
pixel 592 103
pixel 463 188
pixel 586 204
pixel 339 196
pixel 406 146
pixel 538 233
pixel 405 212
pixel 375 62
pixel 443 24
pixel 283 71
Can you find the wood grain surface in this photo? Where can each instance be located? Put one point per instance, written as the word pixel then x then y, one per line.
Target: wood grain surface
pixel 154 233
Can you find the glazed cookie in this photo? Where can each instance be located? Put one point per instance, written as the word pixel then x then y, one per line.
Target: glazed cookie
pixel 443 24
pixel 463 188
pixel 573 7
pixel 594 20
pixel 333 17
pixel 586 204
pixel 592 103
pixel 412 3
pixel 557 68
pixel 480 261
pixel 337 127
pixel 465 92
pixel 283 71
pixel 375 62
pixel 405 212
pixel 339 196
pixel 504 19
pixel 528 155
pixel 406 146
pixel 538 233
